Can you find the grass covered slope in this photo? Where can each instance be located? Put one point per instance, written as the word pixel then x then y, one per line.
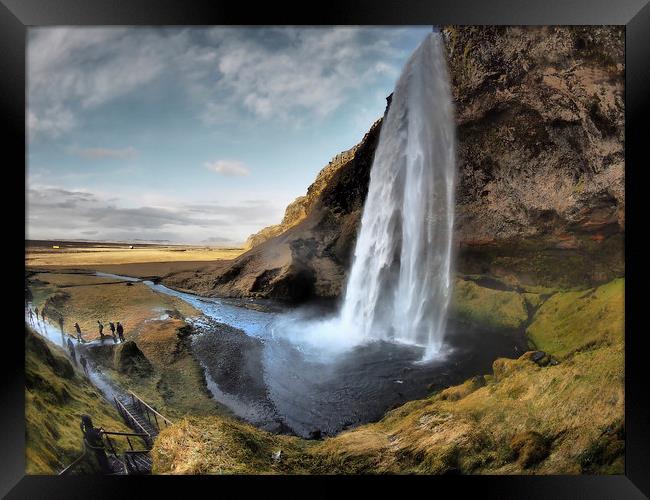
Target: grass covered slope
pixel 154 321
pixel 56 395
pixel 555 413
pixel 490 308
pixel 85 299
pixel 561 417
pixel 222 445
pixel 573 321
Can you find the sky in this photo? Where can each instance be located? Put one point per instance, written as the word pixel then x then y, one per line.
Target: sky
pixel 194 135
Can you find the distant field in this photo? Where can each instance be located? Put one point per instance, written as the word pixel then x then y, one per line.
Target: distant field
pixel 71 254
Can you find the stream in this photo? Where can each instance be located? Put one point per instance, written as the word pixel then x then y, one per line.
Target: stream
pixel 310 385
pixel 266 371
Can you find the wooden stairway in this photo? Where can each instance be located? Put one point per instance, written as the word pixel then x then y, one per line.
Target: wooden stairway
pixel 146 423
pixel 144 419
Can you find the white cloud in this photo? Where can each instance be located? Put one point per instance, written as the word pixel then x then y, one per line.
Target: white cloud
pixel 291 74
pixel 56 212
pixel 230 168
pixel 52 121
pixel 310 70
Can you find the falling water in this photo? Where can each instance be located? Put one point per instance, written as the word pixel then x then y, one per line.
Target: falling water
pixel 400 283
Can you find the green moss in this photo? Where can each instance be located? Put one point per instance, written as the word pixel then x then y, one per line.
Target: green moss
pixel 56 395
pixel 572 321
pixel 488 308
pixel 534 300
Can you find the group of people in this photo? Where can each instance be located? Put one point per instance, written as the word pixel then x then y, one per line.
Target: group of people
pixel 117 334
pixel 114 328
pixel 35 313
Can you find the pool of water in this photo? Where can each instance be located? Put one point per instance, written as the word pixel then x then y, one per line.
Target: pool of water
pixel 259 366
pixel 290 370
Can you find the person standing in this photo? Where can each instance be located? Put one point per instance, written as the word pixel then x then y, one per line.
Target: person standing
pixel 100 327
pixel 111 325
pixel 93 438
pixel 120 331
pixel 78 328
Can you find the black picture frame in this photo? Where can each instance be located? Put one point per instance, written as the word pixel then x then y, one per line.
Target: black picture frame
pixel 17 15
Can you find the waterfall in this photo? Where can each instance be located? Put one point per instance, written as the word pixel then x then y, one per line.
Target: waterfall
pixel 400 282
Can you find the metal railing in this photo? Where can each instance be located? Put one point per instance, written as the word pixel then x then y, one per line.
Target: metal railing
pixel 76 461
pixel 133 422
pixel 149 412
pixel 109 445
pixel 106 435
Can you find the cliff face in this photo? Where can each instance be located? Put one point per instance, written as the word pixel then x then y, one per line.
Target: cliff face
pixel 301 207
pixel 307 254
pixel 540 130
pixel 540 195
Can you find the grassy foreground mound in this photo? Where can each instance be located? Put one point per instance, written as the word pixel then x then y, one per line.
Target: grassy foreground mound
pixel 56 395
pixel 554 412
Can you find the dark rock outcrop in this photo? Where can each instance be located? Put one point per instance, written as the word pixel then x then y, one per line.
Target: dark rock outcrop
pixel 125 357
pixel 129 359
pixel 540 190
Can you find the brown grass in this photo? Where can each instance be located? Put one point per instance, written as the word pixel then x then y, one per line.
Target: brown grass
pixel 561 418
pixel 82 255
pixel 176 387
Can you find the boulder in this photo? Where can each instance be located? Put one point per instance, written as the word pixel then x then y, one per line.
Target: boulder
pixel 129 359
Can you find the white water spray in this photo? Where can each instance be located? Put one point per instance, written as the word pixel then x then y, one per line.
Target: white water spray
pixel 400 282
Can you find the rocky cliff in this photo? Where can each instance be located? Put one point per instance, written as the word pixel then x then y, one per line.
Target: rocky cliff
pixel 540 152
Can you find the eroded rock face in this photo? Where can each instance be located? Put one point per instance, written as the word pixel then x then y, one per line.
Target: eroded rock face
pixel 540 170
pixel 540 115
pixel 301 207
pixel 309 259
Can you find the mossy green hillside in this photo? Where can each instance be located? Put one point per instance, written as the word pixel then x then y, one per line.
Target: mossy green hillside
pixel 559 418
pixel 56 395
pixel 488 308
pixel 571 321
